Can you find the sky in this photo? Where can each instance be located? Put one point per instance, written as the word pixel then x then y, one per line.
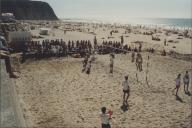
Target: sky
pixel 122 8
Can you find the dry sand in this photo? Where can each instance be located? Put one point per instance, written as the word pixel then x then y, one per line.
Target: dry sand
pixel 183 45
pixel 55 93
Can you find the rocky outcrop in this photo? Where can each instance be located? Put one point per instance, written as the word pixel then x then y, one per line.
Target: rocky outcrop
pixel 28 10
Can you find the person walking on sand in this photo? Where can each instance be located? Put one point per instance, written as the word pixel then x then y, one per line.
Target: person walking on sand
pixel 111 63
pixel 165 42
pixel 186 80
pixel 85 61
pixel 139 62
pixel 140 47
pixel 88 67
pixel 105 118
pixel 133 57
pixel 178 83
pixel 136 62
pixel 126 90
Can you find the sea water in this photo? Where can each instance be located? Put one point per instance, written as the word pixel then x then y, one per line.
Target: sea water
pixel 171 22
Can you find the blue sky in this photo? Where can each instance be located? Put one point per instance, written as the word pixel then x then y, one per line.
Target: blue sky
pixel 121 8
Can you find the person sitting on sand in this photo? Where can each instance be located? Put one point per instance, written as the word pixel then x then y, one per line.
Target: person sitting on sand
pixel 126 90
pixel 178 83
pixel 135 49
pixel 88 67
pixel 163 52
pixel 105 118
pixel 186 80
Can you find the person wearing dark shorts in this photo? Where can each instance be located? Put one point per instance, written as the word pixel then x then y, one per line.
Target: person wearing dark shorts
pixel 126 90
pixel 139 62
pixel 186 80
pixel 105 118
pixel 85 61
pixel 88 67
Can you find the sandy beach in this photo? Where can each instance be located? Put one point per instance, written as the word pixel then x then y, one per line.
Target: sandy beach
pixel 55 93
pixel 86 31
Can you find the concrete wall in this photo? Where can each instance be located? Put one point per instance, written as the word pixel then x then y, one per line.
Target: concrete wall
pixel 10 111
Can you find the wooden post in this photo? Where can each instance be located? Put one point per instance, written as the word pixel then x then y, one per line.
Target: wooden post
pixel 147 71
pixel 137 77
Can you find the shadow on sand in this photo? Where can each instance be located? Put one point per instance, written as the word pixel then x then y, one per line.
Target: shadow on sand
pixel 188 93
pixel 179 99
pixel 124 107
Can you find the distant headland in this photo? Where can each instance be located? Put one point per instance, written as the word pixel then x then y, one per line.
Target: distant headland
pixel 28 10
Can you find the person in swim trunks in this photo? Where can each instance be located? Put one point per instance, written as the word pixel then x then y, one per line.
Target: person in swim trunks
pixel 126 90
pixel 85 61
pixel 186 80
pixel 178 83
pixel 88 67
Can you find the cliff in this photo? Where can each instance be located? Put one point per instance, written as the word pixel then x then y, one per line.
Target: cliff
pixel 28 10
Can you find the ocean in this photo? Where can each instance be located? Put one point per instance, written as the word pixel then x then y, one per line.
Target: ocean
pixel 163 22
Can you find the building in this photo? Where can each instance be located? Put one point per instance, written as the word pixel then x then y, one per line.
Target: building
pixel 8 17
pixel 18 39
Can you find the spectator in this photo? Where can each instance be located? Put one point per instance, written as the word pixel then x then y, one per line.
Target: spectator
pixel 4 54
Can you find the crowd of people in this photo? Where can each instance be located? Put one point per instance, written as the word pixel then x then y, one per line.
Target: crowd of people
pixel 116 47
pixel 58 48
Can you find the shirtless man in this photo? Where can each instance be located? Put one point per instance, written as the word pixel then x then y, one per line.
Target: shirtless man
pixel 139 61
pixel 85 63
pixel 165 42
pixel 126 90
pixel 186 80
pixel 88 67
pixel 140 46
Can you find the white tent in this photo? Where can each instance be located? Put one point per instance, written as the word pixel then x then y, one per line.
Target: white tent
pixel 44 31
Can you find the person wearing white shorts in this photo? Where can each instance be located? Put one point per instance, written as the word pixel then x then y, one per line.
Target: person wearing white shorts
pixel 126 90
pixel 186 80
pixel 178 83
